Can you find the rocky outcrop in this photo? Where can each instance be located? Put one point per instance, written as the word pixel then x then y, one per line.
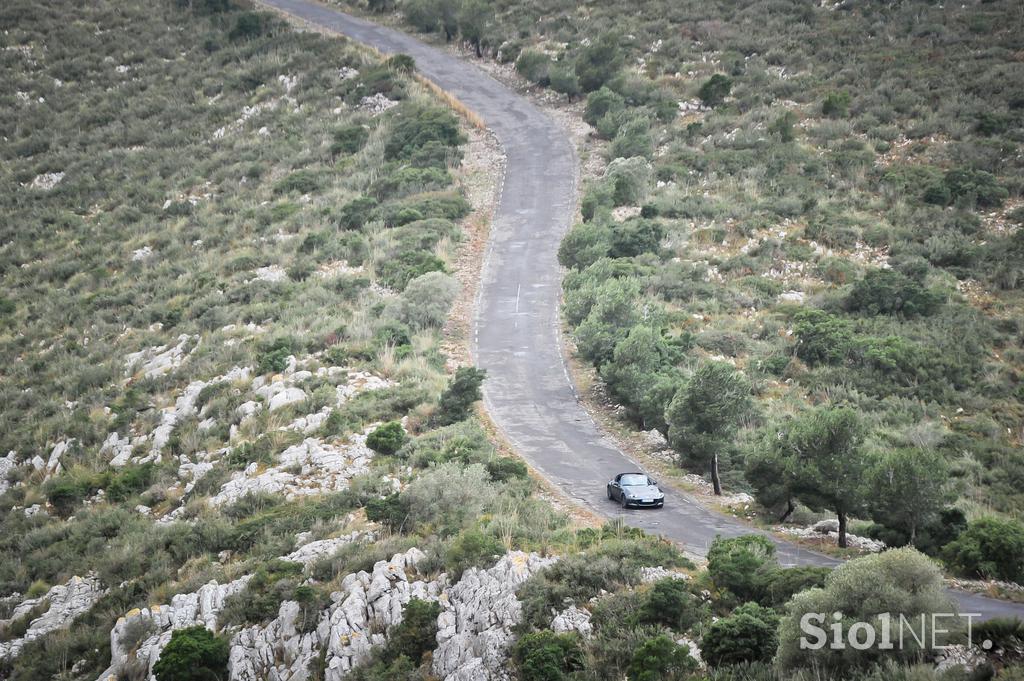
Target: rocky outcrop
pixel 573 619
pixel 119 449
pixel 7 464
pixel 53 464
pixel 155 362
pixel 475 625
pixel 310 467
pixel 159 621
pixel 61 604
pixel 359 617
pixel 323 548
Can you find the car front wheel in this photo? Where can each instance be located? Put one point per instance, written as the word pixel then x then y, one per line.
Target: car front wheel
pixel 624 501
pixel 611 497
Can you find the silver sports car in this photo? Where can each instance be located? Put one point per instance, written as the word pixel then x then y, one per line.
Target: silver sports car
pixel 635 489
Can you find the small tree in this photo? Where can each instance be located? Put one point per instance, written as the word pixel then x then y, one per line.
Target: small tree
pixel 638 364
pixel 602 102
pixel 564 81
pixel 598 62
pixel 744 566
pixel 836 105
pixel 705 413
pixel 547 656
pixel 783 127
pixel 193 654
pixel 991 548
pixel 475 18
pixel 458 398
pixel 715 89
pixel 661 659
pixel 770 469
pixel 425 301
pixel 827 445
pixel 746 635
pixel 416 634
pixel 909 488
pixel 671 603
pixel 387 438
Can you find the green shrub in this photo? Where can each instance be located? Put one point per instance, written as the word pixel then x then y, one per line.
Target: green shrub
pixel 425 302
pixel 968 187
pixel 744 566
pixel 822 337
pixel 250 25
pixel 891 292
pixel 602 102
pixel 300 182
pixel 547 656
pixel 564 81
pixel 746 635
pixel 633 139
pixel 628 180
pixel 416 634
pixel 396 272
pixel 447 498
pixel 458 398
pixel 387 438
pixel 898 582
pixel 585 244
pixel 534 66
pixel 419 125
pixel 599 62
pixel 193 654
pixel 661 659
pixel 836 105
pixel 358 212
pixel 715 89
pixel 787 582
pixel 349 139
pixel 636 237
pixel 472 548
pixel 671 603
pixel 391 511
pixel 990 548
pixel 273 357
pixel 505 468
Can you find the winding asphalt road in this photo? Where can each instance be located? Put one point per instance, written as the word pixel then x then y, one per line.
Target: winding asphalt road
pixel 528 391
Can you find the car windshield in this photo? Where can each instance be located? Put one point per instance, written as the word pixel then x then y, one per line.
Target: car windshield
pixel 633 479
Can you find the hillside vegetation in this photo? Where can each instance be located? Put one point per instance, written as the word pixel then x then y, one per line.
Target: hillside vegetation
pixel 819 206
pixel 237 449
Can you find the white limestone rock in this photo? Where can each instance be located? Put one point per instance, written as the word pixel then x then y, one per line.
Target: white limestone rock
pixel 475 625
pixel 160 360
pixel 322 468
pixel 286 397
pixel 7 464
pixel 573 619
pixel 53 464
pixel 322 548
pixel 185 610
pixel 119 449
pixel 46 181
pixel 359 617
pixel 65 602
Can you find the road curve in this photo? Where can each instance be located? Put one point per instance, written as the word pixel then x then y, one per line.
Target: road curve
pixel 528 391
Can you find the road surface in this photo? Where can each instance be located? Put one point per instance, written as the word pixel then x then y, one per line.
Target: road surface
pixel 528 392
